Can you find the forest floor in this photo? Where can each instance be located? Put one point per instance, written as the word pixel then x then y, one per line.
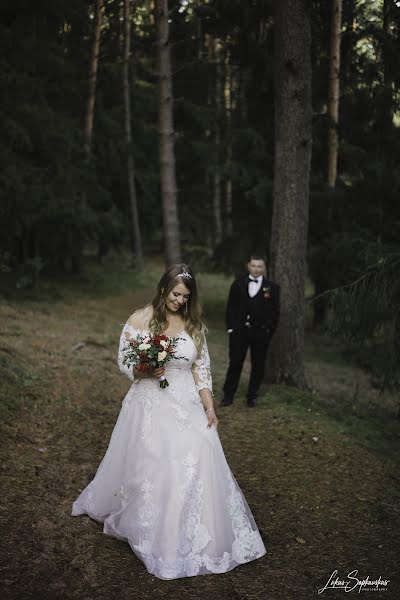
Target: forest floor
pixel 319 470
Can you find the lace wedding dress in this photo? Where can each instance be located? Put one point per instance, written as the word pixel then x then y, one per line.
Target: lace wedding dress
pixel 164 485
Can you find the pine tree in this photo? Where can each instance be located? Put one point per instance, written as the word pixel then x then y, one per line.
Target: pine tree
pixel 291 184
pixel 137 238
pixel 167 134
pixel 94 61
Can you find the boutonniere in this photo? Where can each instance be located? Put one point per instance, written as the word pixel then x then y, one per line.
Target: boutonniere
pixel 267 292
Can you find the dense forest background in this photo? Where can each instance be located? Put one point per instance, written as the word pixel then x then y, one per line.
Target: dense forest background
pixel 59 198
pixel 136 134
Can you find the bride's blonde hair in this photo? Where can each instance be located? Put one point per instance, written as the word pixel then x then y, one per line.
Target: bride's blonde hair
pixel 191 312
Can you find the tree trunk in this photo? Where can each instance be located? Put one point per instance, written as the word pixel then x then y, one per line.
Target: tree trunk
pixel 228 113
pixel 333 92
pixel 387 112
pixel 321 305
pixel 167 134
pixel 214 56
pixel 137 238
pixel 217 196
pixel 94 61
pixel 291 186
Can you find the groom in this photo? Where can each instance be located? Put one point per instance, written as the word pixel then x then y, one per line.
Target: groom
pixel 252 315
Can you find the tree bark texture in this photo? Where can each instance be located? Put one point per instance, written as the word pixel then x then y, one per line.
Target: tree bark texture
pixel 94 61
pixel 333 92
pixel 291 186
pixel 137 238
pixel 167 134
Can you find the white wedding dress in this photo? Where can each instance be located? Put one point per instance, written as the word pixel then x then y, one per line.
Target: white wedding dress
pixel 164 485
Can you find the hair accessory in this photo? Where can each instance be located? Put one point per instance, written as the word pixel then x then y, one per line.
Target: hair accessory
pixel 185 274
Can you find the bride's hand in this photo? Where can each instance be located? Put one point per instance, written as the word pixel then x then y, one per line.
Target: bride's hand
pixel 159 372
pixel 212 418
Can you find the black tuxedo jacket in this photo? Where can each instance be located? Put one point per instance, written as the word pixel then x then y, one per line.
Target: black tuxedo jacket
pixel 266 309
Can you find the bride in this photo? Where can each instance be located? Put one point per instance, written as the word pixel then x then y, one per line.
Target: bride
pixel 164 485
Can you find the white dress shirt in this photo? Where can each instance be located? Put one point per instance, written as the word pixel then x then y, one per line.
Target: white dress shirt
pixel 254 286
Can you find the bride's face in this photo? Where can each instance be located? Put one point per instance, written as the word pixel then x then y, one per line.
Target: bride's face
pixel 177 298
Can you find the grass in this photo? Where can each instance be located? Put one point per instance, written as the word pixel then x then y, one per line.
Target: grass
pixel 20 385
pixel 379 433
pixel 96 280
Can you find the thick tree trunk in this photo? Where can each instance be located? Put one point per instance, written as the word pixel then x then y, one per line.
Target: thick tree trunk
pixel 167 134
pixel 137 238
pixel 291 186
pixel 94 61
pixel 333 92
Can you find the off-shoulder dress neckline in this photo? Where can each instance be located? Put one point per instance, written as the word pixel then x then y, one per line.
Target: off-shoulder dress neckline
pixel 139 330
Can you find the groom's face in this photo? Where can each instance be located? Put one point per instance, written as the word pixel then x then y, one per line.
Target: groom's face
pixel 256 267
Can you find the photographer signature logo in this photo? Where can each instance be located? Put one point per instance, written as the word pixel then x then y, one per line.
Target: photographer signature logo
pixel 352 582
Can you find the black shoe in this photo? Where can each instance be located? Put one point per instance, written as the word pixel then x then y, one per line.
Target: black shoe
pixel 226 401
pixel 251 402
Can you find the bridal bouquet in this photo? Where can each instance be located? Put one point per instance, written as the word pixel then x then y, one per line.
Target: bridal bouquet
pixel 147 352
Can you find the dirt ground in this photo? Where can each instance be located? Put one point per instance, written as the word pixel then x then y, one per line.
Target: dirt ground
pixel 322 501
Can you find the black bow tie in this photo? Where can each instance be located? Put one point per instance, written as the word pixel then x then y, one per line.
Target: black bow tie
pixel 254 280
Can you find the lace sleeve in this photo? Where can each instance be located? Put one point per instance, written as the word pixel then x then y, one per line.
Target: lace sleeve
pixel 127 333
pixel 201 369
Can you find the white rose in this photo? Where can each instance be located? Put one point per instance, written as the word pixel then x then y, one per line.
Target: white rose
pixel 164 343
pixel 144 346
pixel 161 356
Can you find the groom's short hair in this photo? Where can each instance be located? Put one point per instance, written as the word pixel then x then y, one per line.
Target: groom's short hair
pixel 257 257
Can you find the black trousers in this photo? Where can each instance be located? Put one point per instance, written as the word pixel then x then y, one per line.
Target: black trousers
pixel 239 341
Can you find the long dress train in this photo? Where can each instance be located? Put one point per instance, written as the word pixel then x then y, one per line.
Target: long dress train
pixel 164 485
